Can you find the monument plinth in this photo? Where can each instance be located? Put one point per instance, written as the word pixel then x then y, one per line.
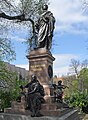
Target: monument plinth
pixel 41 64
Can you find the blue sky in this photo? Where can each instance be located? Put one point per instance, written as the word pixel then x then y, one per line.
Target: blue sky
pixel 70 35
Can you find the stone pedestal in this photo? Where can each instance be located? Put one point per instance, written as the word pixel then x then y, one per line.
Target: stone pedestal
pixel 47 110
pixel 41 64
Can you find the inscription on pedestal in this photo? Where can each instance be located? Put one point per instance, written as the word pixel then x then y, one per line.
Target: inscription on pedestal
pixel 37 67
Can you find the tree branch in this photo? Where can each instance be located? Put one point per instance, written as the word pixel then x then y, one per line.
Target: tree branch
pixel 20 18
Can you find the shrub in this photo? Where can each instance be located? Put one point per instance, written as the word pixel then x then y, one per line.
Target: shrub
pixel 10 94
pixel 79 100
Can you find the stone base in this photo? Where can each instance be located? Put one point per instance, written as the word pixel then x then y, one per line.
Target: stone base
pixel 61 115
pixel 49 90
pixel 49 99
pixel 47 109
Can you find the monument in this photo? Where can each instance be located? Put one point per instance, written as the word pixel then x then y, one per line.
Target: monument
pixel 41 59
pixel 41 65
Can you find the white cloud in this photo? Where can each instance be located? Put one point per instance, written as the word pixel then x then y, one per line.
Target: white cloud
pixel 68 13
pixel 26 66
pixel 17 38
pixel 61 64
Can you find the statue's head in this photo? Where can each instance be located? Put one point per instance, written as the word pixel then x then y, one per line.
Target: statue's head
pixel 45 7
pixel 59 82
pixel 33 78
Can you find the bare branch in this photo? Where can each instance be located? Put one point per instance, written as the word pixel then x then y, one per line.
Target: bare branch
pixel 19 17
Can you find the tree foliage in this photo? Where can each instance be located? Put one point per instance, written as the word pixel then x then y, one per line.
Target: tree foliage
pixel 6 77
pixel 84 79
pixel 79 100
pixel 15 13
pixel 77 79
pixel 22 12
pixel 7 95
pixel 80 69
pixel 6 50
pixel 9 86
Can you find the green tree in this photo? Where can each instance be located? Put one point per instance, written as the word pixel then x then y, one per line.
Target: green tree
pixel 6 77
pixel 83 75
pixel 79 69
pixel 9 86
pixel 15 13
pixel 77 78
pixel 10 93
pixel 72 83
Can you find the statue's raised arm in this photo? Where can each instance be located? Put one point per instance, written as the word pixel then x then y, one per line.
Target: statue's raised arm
pixel 45 28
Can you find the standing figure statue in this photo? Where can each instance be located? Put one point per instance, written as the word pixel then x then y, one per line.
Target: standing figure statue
pixel 58 93
pixel 34 96
pixel 45 27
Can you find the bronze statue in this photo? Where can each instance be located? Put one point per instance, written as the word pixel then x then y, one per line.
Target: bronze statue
pixel 45 27
pixel 58 93
pixel 34 96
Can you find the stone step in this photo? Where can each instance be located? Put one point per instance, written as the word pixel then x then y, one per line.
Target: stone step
pixel 19 105
pixel 15 110
pixel 58 112
pixel 49 106
pixel 72 115
pixel 15 104
pixel 8 110
pixel 53 106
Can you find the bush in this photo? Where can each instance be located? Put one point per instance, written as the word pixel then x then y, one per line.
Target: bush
pixel 79 100
pixel 5 99
pixel 10 94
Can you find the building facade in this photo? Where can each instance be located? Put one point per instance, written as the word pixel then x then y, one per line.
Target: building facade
pixel 21 72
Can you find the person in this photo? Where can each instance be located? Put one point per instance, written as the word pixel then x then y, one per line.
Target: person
pixel 45 28
pixel 35 96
